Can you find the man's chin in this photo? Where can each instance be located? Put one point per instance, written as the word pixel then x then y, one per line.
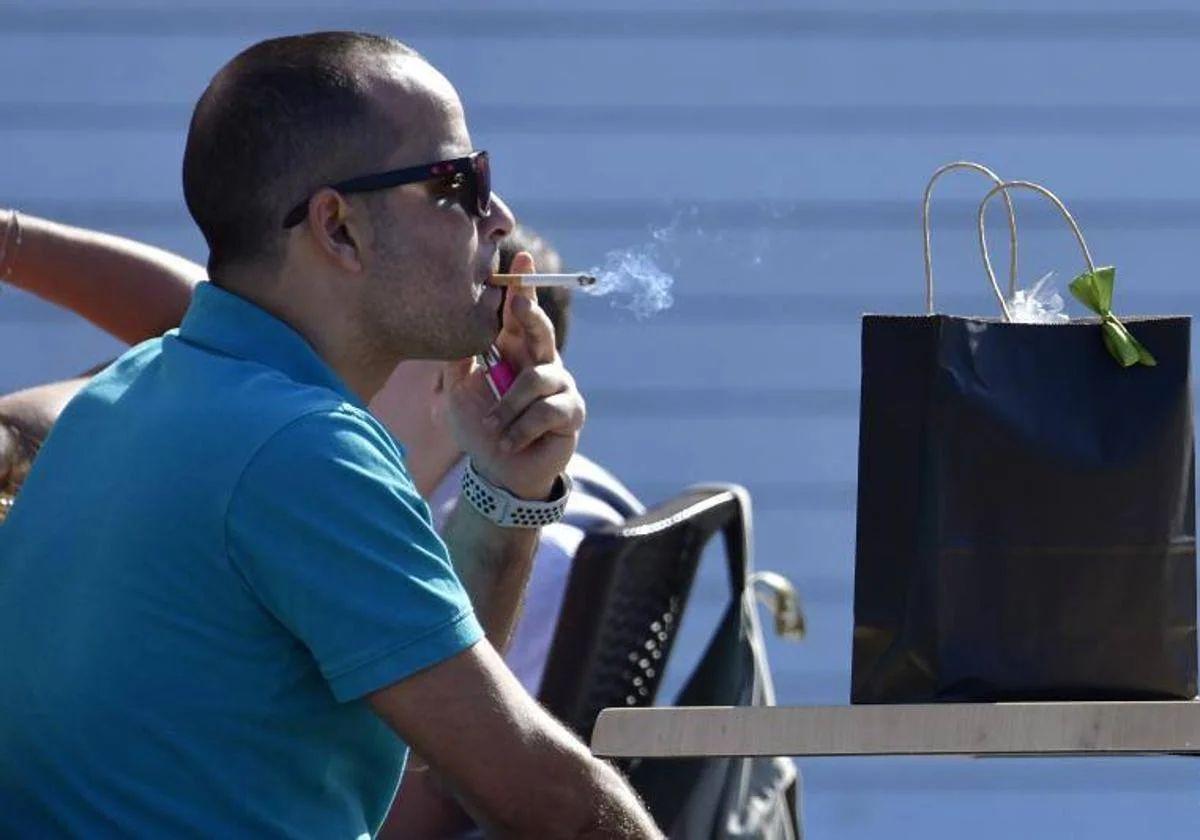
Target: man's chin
pixel 489 334
pixel 491 316
pixel 478 341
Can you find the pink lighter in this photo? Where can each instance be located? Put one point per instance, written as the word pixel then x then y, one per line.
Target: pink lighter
pixel 499 375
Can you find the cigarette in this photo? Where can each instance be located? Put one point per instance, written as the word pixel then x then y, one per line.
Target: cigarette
pixel 562 280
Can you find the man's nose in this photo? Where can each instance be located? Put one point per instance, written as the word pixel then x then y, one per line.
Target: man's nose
pixel 499 222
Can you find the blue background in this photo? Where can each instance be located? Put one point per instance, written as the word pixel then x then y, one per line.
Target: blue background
pixel 783 148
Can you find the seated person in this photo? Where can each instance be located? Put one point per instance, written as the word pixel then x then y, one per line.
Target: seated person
pixel 135 292
pixel 227 610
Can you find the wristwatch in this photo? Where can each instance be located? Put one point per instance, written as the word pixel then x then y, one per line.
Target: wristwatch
pixel 508 511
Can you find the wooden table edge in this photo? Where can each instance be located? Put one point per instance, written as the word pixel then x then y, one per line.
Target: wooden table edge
pixel 1013 729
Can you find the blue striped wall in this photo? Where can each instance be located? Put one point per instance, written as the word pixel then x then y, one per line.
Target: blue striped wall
pixel 784 147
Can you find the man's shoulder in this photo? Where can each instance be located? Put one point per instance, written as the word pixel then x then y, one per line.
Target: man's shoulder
pixel 228 413
pixel 169 371
pixel 326 432
pixel 261 404
pixel 331 456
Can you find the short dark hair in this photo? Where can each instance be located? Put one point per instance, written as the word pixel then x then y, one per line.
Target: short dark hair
pixel 556 302
pixel 283 118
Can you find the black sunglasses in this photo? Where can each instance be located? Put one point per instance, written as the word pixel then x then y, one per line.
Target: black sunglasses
pixel 471 177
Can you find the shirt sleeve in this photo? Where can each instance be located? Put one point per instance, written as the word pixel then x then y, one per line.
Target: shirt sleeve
pixel 329 532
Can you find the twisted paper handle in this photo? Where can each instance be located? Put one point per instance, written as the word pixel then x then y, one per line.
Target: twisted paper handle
pixel 1093 288
pixel 1012 230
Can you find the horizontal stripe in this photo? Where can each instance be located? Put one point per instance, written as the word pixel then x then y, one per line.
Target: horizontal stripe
pixel 781 309
pixel 748 120
pixel 832 309
pixel 461 24
pixel 658 402
pixel 824 215
pixel 865 779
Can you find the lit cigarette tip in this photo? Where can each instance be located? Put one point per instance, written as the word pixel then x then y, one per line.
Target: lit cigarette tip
pixel 543 280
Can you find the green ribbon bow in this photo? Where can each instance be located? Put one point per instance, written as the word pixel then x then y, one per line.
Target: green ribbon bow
pixel 1094 289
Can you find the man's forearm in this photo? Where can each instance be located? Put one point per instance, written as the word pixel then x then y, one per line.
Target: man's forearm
pixel 519 772
pixel 493 564
pixel 132 290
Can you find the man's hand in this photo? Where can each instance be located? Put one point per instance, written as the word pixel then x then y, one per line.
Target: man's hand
pixel 524 441
pixel 516 770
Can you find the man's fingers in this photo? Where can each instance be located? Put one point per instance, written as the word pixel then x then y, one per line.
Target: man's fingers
pixel 522 263
pixel 528 324
pixel 524 321
pixel 561 414
pixel 531 384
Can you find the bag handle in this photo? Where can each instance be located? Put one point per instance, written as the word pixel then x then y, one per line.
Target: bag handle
pixel 1012 230
pixel 1004 187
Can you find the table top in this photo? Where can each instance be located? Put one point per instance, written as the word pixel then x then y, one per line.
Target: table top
pixel 1109 728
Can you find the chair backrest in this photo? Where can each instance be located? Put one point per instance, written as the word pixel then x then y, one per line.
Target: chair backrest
pixel 627 590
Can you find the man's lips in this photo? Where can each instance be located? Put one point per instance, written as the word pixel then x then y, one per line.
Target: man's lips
pixel 485 277
pixel 490 294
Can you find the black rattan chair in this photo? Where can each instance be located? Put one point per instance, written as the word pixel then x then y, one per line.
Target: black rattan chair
pixel 628 588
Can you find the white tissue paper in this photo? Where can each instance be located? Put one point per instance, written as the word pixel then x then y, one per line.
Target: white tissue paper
pixel 1040 304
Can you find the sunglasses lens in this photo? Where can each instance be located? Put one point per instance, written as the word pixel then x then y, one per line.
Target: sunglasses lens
pixel 483 185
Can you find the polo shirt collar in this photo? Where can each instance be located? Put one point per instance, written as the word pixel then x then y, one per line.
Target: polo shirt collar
pixel 228 323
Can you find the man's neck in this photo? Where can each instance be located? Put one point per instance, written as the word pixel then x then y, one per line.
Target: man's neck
pixel 324 326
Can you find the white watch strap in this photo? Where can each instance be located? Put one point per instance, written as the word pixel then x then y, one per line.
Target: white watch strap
pixel 508 511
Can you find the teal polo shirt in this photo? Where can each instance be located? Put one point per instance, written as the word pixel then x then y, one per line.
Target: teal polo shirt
pixel 218 553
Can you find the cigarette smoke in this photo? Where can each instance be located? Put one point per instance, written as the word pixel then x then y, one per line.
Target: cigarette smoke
pixel 640 278
pixel 635 274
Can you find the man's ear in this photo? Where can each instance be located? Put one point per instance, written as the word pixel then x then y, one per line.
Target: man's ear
pixel 336 229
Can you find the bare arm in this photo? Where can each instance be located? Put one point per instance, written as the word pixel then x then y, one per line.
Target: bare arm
pixel 25 420
pixel 34 410
pixel 516 770
pixel 493 564
pixel 132 290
